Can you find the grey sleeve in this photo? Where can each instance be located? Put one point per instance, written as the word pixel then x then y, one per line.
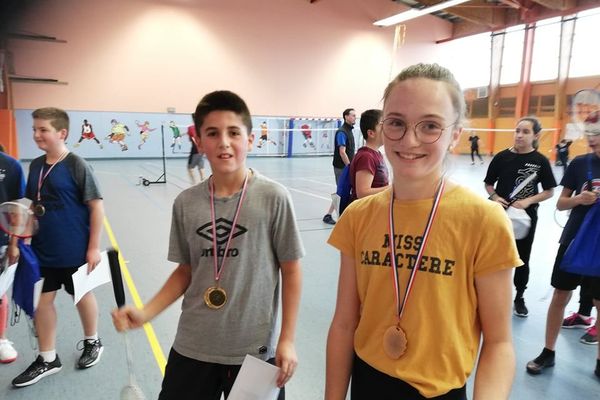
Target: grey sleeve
pixel 84 178
pixel 285 234
pixel 178 246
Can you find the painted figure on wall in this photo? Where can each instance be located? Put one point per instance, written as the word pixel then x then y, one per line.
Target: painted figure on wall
pixel 117 134
pixel 325 140
pixel 144 132
pixel 264 135
pixel 176 136
pixel 306 132
pixel 87 132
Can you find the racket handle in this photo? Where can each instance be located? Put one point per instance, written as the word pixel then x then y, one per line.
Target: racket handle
pixel 117 279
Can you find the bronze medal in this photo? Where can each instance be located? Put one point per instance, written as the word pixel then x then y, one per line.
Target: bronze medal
pixel 215 297
pixel 39 210
pixel 394 342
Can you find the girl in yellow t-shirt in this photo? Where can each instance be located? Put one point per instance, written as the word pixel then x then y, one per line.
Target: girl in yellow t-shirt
pixel 426 265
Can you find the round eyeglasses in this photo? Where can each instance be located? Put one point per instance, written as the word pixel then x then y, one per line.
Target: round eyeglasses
pixel 426 132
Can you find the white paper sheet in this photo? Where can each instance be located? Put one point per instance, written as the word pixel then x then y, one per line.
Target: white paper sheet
pixel 7 278
pixel 84 282
pixel 37 292
pixel 255 381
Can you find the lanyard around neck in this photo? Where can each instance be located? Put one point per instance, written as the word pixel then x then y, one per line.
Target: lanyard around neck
pixel 401 303
pixel 218 270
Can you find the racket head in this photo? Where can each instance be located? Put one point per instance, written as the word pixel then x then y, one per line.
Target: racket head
pixel 585 107
pixel 17 219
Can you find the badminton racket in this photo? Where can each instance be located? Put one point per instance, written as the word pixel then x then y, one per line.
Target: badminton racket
pixel 131 391
pixel 585 109
pixel 16 219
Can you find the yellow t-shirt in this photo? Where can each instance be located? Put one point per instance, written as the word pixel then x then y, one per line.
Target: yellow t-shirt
pixel 470 236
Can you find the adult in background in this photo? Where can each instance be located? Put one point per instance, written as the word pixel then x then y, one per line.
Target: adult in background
pixel 196 159
pixel 474 139
pixel 343 153
pixel 507 170
pixel 562 153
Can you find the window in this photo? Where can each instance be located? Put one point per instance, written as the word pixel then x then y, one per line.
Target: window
pixel 584 61
pixel 507 107
pixel 513 55
pixel 457 56
pixel 546 49
pixel 479 108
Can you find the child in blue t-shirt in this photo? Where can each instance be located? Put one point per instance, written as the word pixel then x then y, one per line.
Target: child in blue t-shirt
pixel 68 205
pixel 580 192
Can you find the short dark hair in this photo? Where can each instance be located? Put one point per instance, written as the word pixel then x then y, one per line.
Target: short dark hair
pixel 221 100
pixel 369 120
pixel 347 111
pixel 59 119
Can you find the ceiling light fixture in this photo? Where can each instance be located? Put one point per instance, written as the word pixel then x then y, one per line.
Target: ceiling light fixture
pixel 415 13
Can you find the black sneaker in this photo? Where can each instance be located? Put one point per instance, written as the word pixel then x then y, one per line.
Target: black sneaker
pixel 37 370
pixel 544 360
pixel 520 309
pixel 328 219
pixel 92 350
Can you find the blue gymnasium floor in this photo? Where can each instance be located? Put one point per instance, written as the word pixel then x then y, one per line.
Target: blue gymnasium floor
pixel 140 219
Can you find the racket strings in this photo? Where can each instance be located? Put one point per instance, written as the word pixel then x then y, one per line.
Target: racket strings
pixel 18 220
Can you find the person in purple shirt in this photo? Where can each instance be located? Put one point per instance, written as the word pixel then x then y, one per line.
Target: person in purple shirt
pixel 368 171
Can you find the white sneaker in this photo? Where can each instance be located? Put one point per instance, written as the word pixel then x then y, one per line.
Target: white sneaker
pixel 8 353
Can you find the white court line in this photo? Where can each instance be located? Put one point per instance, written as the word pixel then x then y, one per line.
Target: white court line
pixel 314 181
pixel 309 194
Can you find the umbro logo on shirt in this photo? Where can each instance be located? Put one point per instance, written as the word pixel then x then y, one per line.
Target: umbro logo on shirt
pixel 223 228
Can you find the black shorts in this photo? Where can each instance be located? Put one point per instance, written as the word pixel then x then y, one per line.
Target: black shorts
pixel 369 383
pixel 563 280
pixel 55 278
pixel 189 379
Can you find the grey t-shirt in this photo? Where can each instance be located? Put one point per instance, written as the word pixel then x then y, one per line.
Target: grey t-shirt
pixel 265 235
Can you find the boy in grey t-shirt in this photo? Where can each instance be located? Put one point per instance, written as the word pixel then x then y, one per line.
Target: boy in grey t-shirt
pixel 232 236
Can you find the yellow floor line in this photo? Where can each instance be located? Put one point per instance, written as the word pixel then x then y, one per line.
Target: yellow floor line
pixel 159 356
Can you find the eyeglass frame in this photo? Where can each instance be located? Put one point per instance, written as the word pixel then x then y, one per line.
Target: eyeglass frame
pixel 414 129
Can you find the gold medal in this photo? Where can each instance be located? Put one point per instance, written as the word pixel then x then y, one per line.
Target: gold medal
pixel 394 342
pixel 39 210
pixel 215 297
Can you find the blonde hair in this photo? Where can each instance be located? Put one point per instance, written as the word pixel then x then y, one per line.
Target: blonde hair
pixel 434 72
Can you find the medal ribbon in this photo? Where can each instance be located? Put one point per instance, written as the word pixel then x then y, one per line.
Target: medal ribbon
pixel 41 178
pixel 219 269
pixel 401 305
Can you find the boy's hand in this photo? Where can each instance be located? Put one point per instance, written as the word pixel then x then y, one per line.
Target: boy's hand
pixel 587 198
pixel 499 199
pixel 128 317
pixel 286 360
pixel 522 204
pixel 92 257
pixel 13 254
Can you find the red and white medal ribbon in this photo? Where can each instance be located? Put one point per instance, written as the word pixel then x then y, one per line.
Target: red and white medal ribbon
pixel 218 270
pixel 401 304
